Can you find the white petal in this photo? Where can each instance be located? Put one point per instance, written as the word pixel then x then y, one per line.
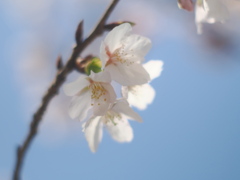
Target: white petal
pixel 130 75
pixel 103 55
pixel 93 132
pixel 135 44
pixel 80 105
pixel 122 107
pixel 114 37
pixel 209 12
pixel 110 95
pixel 100 108
pixel 125 92
pixel 121 131
pixel 200 16
pixel 217 10
pixel 100 77
pixel 141 96
pixel 101 105
pixel 154 68
pixel 73 88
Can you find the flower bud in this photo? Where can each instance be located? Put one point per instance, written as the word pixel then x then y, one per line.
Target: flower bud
pixel 94 65
pixel 186 4
pixel 59 63
pixel 79 33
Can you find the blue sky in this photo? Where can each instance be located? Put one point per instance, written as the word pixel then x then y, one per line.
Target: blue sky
pixel 191 131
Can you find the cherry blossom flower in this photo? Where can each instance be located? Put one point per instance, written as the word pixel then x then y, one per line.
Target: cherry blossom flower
pixel 121 54
pixel 116 122
pixel 209 11
pixel 140 96
pixel 94 91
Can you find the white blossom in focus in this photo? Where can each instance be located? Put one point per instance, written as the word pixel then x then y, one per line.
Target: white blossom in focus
pixel 94 91
pixel 116 122
pixel 209 11
pixel 122 53
pixel 140 96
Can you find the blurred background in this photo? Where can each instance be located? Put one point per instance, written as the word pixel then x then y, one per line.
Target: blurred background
pixel 190 132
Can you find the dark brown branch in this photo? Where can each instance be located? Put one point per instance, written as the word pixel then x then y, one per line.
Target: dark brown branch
pixel 54 88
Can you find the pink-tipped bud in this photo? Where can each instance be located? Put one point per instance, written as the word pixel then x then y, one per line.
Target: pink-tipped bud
pixel 186 4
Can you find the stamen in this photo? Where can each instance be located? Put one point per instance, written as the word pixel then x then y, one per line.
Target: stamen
pixel 110 116
pixel 119 55
pixel 97 90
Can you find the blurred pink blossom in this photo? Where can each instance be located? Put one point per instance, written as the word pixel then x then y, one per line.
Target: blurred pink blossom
pixel 186 4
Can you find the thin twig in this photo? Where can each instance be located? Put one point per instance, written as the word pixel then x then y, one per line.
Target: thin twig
pixel 54 88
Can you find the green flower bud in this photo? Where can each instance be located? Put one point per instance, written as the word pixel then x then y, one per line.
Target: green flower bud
pixel 94 65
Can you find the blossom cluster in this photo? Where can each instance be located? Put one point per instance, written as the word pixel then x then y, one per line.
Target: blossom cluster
pixel 206 11
pixel 95 101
